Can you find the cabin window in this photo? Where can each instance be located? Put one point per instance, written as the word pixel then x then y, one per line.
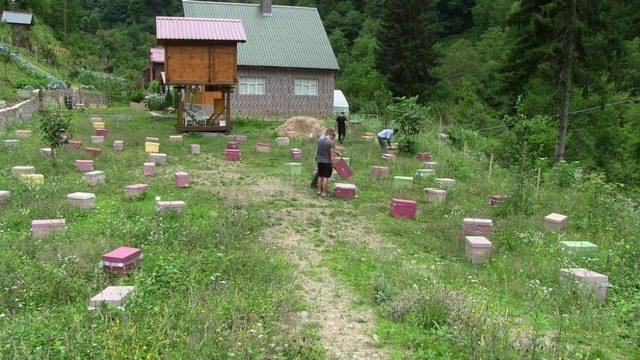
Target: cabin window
pixel 252 86
pixel 306 87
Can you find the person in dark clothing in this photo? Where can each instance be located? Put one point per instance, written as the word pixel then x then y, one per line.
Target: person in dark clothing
pixel 325 157
pixel 342 127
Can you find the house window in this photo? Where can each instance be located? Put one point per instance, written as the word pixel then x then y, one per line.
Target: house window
pixel 306 87
pixel 252 86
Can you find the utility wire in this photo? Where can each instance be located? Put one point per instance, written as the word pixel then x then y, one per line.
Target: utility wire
pixel 573 112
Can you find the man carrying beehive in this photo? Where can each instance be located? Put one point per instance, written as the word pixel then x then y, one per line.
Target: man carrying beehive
pixel 325 157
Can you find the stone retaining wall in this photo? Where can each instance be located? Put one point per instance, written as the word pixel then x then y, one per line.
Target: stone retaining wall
pixel 80 96
pixel 18 112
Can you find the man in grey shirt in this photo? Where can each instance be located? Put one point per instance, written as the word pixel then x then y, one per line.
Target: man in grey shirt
pixel 325 156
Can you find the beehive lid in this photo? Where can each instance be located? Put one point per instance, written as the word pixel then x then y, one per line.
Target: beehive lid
pixel 585 275
pixel 122 254
pixel 473 221
pixel 586 245
pixel 81 196
pixel 345 186
pixel 478 242
pixel 435 191
pixel 395 201
pixel 403 178
pixel 556 218
pixel 47 223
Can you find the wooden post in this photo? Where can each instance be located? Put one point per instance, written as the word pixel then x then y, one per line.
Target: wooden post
pixel 465 146
pixel 490 165
pixel 538 179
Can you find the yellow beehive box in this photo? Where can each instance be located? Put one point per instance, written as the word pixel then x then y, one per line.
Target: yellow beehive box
pixel 33 179
pixel 151 147
pixel 98 125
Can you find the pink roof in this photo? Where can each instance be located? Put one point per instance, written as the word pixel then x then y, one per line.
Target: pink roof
pixel 156 55
pixel 182 28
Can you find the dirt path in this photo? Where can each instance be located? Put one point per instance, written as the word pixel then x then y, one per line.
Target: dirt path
pixel 346 330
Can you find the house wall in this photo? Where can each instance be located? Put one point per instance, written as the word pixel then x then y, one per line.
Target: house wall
pixel 279 98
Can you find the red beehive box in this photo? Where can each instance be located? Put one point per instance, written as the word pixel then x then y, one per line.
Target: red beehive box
pixel 102 132
pixel 344 191
pixel 424 156
pixel 122 259
pixel 232 155
pixel 93 151
pixel 233 145
pixel 400 208
pixel 343 169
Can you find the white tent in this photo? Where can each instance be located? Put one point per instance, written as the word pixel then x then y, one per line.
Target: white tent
pixel 340 102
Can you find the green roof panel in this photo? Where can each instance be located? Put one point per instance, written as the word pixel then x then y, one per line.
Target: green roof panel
pixel 291 36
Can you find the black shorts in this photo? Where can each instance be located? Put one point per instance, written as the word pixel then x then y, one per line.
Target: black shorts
pixel 325 170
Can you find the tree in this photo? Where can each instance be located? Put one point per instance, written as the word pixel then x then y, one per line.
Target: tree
pixel 57 130
pixel 567 43
pixel 409 118
pixel 407 36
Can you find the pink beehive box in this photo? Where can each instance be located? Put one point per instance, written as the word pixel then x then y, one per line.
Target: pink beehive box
pixel 233 145
pixel 596 282
pixel 344 191
pixel 478 249
pixel 149 169
pixel 296 154
pixel 343 169
pixel 75 144
pixel 181 179
pixel 93 151
pixel 120 260
pixel 379 172
pixel 84 165
pixel 241 138
pixel 135 190
pixel 424 156
pixel 477 227
pixel 401 208
pixel 42 228
pixel 102 132
pixel 232 155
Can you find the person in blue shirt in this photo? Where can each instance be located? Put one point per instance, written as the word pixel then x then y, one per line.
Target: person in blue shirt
pixel 384 138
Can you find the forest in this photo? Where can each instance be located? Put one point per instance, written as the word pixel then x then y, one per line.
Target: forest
pixel 562 76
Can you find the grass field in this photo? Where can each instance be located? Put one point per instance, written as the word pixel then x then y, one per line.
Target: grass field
pixel 259 267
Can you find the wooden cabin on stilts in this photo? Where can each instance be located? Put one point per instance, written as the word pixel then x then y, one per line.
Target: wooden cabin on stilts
pixel 201 60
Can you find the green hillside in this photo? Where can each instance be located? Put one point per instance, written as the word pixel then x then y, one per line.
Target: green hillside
pixel 255 265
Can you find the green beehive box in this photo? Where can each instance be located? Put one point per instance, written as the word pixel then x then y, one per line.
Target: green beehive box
pixel 293 169
pixel 424 173
pixel 402 181
pixel 578 246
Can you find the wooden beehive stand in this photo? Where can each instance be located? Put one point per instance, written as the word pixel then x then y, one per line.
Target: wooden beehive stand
pixel 204 66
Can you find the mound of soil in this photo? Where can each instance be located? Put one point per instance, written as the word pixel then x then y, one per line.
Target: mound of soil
pixel 301 126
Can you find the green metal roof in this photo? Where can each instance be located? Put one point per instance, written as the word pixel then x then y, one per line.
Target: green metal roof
pixel 291 36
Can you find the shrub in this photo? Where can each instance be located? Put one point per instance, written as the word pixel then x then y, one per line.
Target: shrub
pixel 57 130
pixel 409 118
pixel 154 87
pixel 154 101
pixel 136 95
